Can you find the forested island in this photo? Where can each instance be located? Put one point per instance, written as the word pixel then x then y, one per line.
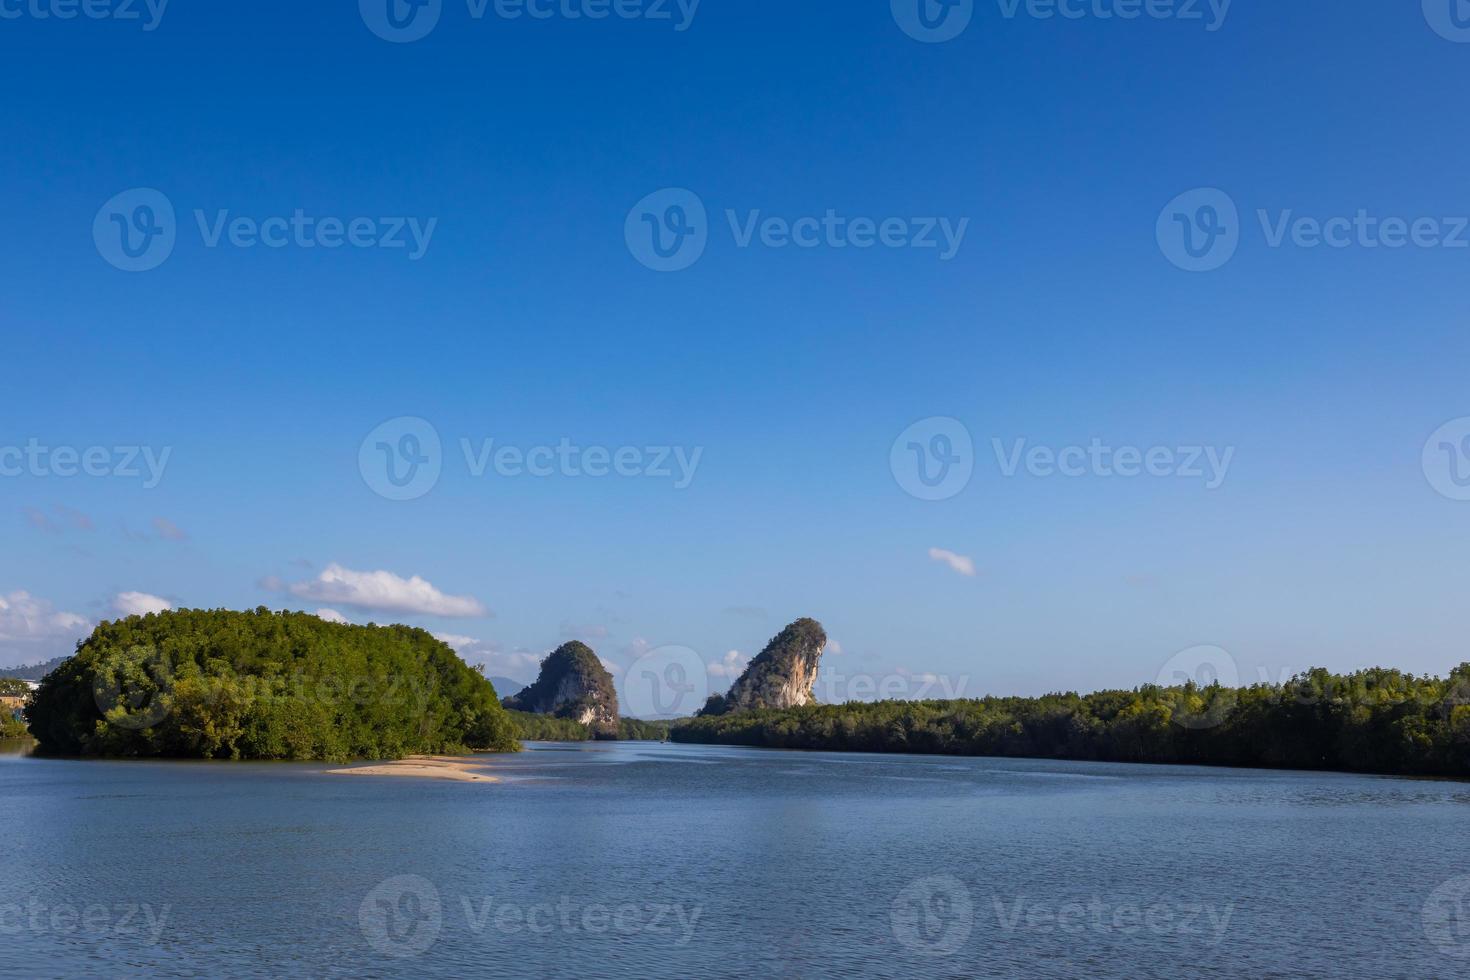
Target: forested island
pixel 265 685
pixel 1376 721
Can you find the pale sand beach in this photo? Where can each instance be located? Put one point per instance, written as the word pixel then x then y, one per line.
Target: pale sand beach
pixel 425 767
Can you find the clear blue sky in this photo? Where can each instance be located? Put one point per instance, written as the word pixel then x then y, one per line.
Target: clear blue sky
pixel 529 320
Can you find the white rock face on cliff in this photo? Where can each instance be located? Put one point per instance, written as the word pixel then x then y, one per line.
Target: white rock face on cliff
pixel 782 676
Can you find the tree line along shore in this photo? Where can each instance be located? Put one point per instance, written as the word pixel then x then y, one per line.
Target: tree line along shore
pixel 280 685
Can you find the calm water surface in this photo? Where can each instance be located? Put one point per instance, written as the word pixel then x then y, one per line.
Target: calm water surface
pixel 643 860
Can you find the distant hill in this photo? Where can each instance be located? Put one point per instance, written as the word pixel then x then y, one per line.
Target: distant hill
pixel 34 672
pixel 506 688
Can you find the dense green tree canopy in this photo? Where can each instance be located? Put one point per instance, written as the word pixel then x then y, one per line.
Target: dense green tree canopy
pixel 1371 721
pixel 264 685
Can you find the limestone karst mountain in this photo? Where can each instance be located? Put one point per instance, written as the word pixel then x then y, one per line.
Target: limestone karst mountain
pixel 573 684
pixel 781 677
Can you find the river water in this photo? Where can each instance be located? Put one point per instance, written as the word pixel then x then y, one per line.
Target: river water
pixel 645 860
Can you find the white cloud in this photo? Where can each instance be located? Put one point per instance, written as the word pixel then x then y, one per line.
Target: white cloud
pixel 732 665
pixel 517 664
pixel 139 604
pixel 833 647
pixel 960 563
pixel 331 616
pixel 612 668
pixel 25 618
pixel 384 592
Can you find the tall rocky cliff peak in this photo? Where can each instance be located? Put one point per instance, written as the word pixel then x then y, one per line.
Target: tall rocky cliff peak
pixel 781 677
pixel 573 684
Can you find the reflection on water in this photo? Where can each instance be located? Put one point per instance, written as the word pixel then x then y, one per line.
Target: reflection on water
pixel 15 748
pixel 646 860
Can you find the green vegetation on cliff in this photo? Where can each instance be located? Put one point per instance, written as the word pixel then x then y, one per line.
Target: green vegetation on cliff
pixel 1378 720
pixel 264 685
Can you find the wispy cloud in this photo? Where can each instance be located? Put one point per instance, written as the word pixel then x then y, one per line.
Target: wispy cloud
pixel 64 517
pixel 382 591
pixel 139 604
pixel 958 563
pixel 168 530
pixel 24 618
pixel 517 664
